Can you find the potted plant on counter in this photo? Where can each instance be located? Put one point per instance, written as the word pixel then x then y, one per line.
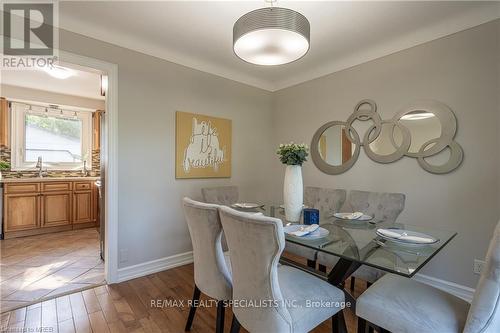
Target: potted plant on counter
pixel 293 156
pixel 4 166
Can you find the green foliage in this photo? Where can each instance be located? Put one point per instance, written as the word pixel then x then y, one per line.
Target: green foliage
pixel 58 126
pixel 4 166
pixel 292 153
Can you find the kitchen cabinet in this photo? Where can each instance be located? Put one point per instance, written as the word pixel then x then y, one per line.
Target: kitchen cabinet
pixel 32 208
pixel 83 203
pixel 21 211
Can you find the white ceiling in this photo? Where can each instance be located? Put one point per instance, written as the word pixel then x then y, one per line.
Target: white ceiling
pixel 83 83
pixel 343 34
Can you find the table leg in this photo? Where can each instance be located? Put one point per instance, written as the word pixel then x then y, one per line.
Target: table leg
pixel 342 270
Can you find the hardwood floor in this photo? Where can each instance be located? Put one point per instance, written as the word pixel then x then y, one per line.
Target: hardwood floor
pixel 36 267
pixel 127 307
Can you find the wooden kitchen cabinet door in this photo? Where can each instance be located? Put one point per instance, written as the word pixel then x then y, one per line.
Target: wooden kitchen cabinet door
pixel 21 211
pixel 56 209
pixel 82 207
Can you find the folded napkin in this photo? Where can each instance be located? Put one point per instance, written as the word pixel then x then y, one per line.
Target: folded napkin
pixel 389 233
pixel 305 230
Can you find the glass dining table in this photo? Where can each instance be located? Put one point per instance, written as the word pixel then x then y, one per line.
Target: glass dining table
pixel 356 243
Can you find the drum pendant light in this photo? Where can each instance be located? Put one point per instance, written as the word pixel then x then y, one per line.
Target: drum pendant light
pixel 271 36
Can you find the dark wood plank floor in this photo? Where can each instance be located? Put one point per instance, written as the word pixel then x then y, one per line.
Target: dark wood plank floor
pixel 126 307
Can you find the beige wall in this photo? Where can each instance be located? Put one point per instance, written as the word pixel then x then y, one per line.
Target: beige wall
pixel 49 97
pixel 459 70
pixel 151 223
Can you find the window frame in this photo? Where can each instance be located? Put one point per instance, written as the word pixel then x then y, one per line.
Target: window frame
pixel 18 139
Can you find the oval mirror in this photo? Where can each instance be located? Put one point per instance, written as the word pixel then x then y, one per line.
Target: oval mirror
pixel 334 146
pixel 423 126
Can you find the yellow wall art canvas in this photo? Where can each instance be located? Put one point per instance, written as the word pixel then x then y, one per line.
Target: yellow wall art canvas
pixel 203 146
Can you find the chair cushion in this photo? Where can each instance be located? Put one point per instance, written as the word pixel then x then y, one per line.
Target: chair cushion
pixel 300 251
pixel 400 304
pixel 300 287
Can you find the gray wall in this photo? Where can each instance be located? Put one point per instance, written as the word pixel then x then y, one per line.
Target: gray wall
pixel 151 223
pixel 459 70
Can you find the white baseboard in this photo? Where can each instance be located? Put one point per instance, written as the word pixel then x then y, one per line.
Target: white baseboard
pixel 158 265
pixel 154 266
pixel 458 290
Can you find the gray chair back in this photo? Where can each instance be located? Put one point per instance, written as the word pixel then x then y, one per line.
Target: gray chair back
pixel 326 200
pixel 211 274
pixel 256 243
pixel 484 313
pixel 224 195
pixel 382 206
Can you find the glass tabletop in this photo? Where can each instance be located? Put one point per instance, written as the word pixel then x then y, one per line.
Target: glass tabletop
pixel 358 241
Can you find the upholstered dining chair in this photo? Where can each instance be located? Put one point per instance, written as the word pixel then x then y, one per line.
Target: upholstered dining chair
pixel 272 297
pixel 212 267
pixel 383 207
pixel 398 304
pixel 327 201
pixel 223 195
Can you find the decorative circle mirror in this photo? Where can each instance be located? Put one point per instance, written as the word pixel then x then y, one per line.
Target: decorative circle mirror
pixel 420 130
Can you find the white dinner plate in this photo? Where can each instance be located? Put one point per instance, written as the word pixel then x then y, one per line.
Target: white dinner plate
pixel 345 216
pixel 317 234
pixel 246 205
pixel 409 242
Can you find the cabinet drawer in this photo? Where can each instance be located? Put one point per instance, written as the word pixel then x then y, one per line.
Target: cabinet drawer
pixel 56 186
pixel 80 186
pixel 22 188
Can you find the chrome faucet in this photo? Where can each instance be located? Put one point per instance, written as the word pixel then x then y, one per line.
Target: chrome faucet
pixel 85 172
pixel 39 165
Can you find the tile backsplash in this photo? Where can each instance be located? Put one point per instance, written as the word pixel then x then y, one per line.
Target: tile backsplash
pixel 5 156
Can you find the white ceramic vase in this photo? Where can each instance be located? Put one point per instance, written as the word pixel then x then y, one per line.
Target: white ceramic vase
pixel 293 193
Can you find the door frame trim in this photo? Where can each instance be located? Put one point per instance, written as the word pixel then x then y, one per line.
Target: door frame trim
pixel 111 152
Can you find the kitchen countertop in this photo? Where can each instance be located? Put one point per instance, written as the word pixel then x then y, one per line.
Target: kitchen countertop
pixel 45 179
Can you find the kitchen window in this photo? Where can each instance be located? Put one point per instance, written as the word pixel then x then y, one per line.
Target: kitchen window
pixel 61 137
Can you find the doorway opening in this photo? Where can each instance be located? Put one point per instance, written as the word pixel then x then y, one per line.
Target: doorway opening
pixel 54 198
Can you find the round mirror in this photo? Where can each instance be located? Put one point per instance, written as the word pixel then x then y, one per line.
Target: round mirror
pixel 334 146
pixel 423 126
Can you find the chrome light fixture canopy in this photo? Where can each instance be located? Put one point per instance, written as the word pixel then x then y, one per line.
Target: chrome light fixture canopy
pixel 271 36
